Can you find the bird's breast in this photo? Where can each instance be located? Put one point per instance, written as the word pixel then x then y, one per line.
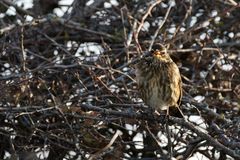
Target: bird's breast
pixel 157 87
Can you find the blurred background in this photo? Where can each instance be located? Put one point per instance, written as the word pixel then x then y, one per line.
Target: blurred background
pixel 67 78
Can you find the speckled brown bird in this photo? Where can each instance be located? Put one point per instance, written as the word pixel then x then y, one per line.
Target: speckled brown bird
pixel 159 81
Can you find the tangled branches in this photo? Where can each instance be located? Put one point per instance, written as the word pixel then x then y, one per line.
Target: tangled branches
pixel 68 89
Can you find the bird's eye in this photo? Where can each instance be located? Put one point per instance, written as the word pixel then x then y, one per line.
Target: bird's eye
pixel 152 52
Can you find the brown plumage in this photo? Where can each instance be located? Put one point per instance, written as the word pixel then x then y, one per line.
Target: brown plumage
pixel 159 81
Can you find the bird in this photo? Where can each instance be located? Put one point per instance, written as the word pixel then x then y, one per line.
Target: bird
pixel 159 81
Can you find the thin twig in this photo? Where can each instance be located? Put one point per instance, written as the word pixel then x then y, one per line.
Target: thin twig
pixel 97 154
pixel 159 28
pixel 143 20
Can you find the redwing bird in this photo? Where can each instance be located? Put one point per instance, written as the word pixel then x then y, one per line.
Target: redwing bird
pixel 159 81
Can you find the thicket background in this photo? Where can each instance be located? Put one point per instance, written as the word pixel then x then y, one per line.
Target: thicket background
pixel 67 80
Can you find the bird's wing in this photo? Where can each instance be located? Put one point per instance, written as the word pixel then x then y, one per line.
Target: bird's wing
pixel 180 89
pixel 177 74
pixel 140 78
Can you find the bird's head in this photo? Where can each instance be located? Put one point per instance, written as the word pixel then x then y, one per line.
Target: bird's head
pixel 161 55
